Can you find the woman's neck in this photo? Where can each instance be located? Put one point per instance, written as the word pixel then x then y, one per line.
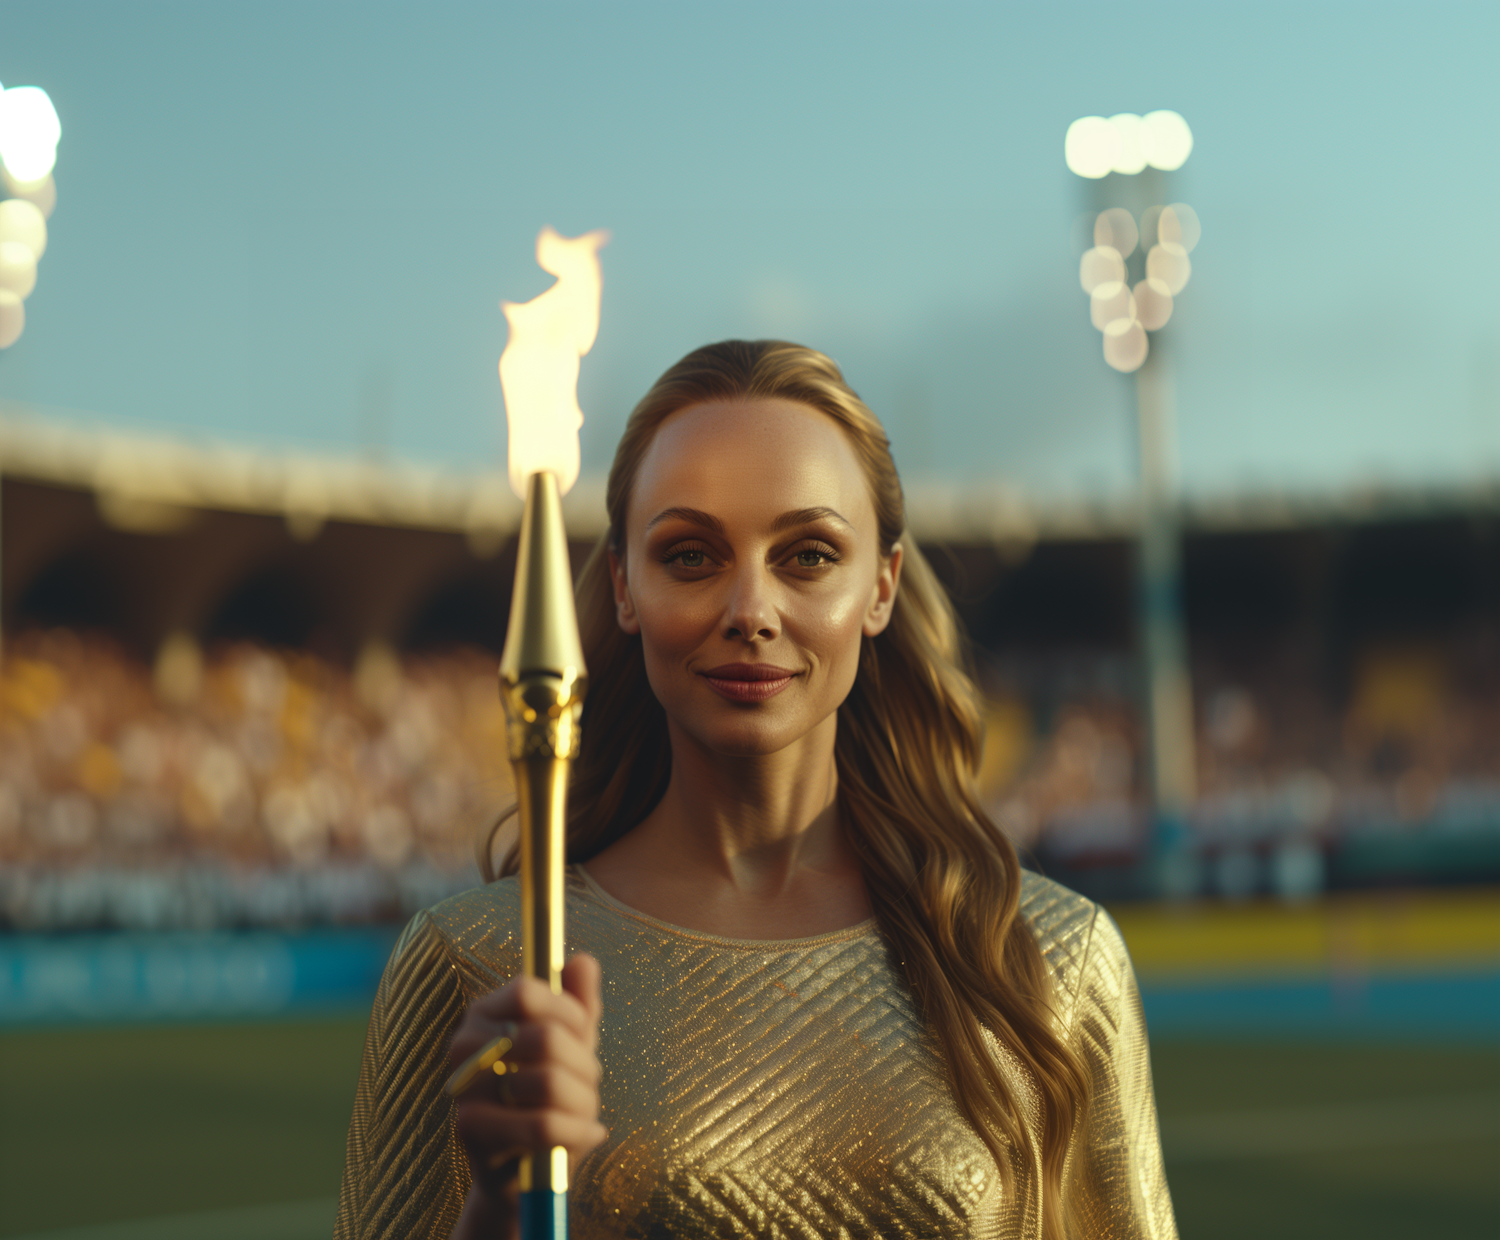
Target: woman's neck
pixel 747 847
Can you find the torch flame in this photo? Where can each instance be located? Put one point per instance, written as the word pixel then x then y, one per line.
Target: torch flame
pixel 539 369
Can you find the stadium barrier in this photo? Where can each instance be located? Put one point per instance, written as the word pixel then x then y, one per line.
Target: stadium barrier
pixel 123 978
pixel 1410 964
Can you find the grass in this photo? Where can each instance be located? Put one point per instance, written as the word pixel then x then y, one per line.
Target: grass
pixel 1398 1182
pixel 115 1124
pixel 98 1125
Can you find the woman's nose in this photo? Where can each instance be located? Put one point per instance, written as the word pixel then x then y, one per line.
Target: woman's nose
pixel 750 610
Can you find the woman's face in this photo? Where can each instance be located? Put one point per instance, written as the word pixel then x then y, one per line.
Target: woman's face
pixel 752 570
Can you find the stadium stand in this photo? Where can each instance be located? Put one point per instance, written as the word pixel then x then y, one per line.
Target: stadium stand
pixel 258 787
pixel 240 690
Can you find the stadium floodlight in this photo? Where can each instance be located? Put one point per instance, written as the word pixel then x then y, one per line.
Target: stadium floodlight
pixel 22 221
pixel 1133 272
pixel 1092 147
pixel 1110 301
pixel 1153 303
pixel 1126 143
pixel 1100 265
pixel 1166 140
pixel 41 194
pixel 1169 263
pixel 1134 142
pixel 29 133
pixel 1117 229
pixel 1179 224
pixel 12 318
pixel 17 268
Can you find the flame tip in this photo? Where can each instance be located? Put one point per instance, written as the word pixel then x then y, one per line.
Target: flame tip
pixel 539 368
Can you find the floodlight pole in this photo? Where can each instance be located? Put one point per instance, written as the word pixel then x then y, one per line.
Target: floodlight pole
pixel 1163 642
pixel 1161 632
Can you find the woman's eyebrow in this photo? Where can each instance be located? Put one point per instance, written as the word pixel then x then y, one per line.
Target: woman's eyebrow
pixel 806 516
pixel 693 515
pixel 787 520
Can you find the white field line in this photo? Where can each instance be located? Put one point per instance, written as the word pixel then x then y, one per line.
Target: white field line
pixel 289 1220
pixel 1331 1128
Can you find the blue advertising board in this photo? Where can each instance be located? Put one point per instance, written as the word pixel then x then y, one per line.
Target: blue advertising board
pixel 121 977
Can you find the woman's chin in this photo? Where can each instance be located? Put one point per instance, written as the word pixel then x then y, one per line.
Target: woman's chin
pixel 748 737
pixel 751 746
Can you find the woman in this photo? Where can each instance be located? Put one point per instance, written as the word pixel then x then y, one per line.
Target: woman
pixel 831 1003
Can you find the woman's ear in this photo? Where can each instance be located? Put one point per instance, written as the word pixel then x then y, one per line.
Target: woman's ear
pixel 883 596
pixel 625 615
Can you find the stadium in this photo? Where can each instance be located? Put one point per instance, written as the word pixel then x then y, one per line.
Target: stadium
pixel 251 723
pixel 248 668
pixel 1220 522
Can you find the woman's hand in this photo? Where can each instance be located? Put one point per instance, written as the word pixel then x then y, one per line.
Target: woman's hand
pixel 549 1096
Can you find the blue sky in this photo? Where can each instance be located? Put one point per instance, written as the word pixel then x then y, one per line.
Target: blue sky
pixel 292 224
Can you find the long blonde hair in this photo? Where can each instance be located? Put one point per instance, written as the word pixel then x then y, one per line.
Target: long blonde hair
pixel 943 880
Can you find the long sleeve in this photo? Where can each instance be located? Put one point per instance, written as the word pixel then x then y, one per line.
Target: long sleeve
pixel 404 1172
pixel 1114 1182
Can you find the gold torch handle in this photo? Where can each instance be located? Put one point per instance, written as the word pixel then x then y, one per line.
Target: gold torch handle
pixel 542 683
pixel 541 794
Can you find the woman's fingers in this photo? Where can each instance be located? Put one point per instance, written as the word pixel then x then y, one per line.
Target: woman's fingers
pixel 531 999
pixel 523 1001
pixel 581 979
pixel 549 1086
pixel 538 1088
pixel 541 1045
pixel 547 1093
pixel 547 1044
pixel 489 1126
pixel 541 1026
pixel 475 1032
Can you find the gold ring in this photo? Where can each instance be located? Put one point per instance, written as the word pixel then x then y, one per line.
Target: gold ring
pixel 502 1086
pixel 489 1057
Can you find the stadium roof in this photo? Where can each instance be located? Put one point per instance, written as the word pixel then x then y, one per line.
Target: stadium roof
pixel 153 483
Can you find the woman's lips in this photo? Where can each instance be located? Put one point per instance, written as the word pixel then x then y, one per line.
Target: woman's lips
pixel 748 682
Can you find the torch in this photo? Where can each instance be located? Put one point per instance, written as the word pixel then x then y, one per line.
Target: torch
pixel 542 677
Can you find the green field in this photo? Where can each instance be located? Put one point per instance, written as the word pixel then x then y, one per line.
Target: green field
pixel 100 1125
pixel 236 1131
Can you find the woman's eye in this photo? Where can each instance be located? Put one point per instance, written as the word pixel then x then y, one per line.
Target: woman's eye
pixel 812 557
pixel 690 559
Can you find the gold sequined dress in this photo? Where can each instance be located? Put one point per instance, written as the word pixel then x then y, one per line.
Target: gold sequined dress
pixel 782 1090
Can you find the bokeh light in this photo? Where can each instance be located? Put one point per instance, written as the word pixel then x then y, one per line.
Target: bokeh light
pixel 1168 262
pixel 1165 234
pixel 1125 346
pixel 1126 143
pixel 41 194
pixel 1153 303
pixel 1131 158
pixel 1116 229
pixel 17 268
pixel 12 318
pixel 22 221
pixel 1092 147
pixel 29 132
pixel 1166 140
pixel 1101 264
pixel 1179 224
pixel 1110 301
pixel 1150 217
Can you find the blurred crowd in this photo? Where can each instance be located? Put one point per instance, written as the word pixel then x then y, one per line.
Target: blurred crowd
pixel 252 786
pixel 1398 756
pixel 244 786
